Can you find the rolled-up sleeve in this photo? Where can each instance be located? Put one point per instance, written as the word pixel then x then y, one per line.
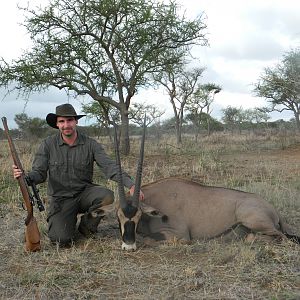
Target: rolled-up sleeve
pixel 108 166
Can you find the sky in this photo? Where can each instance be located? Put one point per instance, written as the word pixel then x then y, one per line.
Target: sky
pixel 245 36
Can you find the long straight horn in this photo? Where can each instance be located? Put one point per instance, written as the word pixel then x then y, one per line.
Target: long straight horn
pixel 138 178
pixel 121 190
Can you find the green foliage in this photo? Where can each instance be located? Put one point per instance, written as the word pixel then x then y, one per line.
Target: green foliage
pixel 139 110
pixel 233 117
pixel 32 127
pixel 280 85
pixel 96 110
pixel 181 86
pixel 201 100
pixel 102 112
pixel 104 49
pixel 204 121
pixel 256 115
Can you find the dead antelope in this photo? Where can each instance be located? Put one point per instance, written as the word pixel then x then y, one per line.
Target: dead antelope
pixel 186 210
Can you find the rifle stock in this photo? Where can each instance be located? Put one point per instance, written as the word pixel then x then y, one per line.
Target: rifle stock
pixel 32 234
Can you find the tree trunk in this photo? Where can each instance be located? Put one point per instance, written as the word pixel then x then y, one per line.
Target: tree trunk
pixel 178 131
pixel 125 141
pixel 297 118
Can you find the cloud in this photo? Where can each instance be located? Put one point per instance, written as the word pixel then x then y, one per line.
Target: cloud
pixel 245 37
pixel 38 105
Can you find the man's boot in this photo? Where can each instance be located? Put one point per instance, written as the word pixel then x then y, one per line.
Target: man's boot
pixel 89 223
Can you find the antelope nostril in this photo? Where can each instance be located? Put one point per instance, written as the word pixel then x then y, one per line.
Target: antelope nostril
pixel 164 218
pixel 129 247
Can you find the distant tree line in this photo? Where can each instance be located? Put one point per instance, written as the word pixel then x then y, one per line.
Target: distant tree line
pixel 234 120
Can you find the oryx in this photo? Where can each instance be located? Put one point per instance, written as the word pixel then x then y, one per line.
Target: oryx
pixel 186 210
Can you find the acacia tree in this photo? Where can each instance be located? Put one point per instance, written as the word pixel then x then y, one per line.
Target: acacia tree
pixel 233 117
pixel 138 112
pixel 255 116
pixel 102 112
pixel 281 85
pixel 31 127
pixel 199 105
pixel 180 85
pixel 102 48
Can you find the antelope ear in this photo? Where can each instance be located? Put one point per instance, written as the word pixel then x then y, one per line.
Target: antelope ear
pixel 152 212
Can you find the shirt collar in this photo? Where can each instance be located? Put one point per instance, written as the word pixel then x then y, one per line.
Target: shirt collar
pixel 79 140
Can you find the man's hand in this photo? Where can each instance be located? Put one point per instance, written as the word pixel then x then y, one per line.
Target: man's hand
pixel 131 191
pixel 16 172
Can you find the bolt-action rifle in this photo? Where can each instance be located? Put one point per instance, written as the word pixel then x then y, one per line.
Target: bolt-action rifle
pixel 32 234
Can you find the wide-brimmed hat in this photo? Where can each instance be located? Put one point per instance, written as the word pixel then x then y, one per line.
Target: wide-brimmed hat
pixel 64 110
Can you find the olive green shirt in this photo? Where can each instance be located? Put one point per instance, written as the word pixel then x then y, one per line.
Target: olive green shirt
pixel 70 168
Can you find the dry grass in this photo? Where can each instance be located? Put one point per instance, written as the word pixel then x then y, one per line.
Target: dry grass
pixel 98 269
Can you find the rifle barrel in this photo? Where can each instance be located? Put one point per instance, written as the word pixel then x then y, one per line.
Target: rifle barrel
pixel 21 180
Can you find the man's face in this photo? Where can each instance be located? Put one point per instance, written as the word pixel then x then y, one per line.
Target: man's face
pixel 66 125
